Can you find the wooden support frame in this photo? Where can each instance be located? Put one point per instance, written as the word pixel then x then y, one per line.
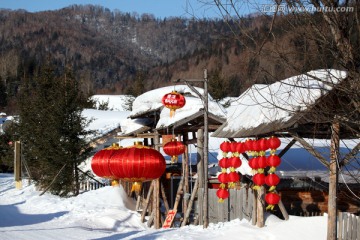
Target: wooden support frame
pixel 310 149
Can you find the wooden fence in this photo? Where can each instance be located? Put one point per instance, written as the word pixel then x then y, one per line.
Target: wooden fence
pixel 238 205
pixel 91 185
pixel 348 226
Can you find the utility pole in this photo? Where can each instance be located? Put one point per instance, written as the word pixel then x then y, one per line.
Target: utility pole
pixel 205 100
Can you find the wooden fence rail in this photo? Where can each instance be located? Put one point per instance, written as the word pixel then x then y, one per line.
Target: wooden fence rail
pixel 238 205
pixel 348 226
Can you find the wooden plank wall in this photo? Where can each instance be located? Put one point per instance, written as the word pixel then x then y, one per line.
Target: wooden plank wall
pixel 238 205
pixel 348 226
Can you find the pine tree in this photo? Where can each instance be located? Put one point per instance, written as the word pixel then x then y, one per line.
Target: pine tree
pixel 52 130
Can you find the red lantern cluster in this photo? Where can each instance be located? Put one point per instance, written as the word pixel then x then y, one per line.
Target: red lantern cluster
pixel 173 101
pixel 134 164
pixel 257 149
pixel 229 163
pixel 173 149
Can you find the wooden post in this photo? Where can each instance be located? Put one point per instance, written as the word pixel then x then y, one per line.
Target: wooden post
pixel 17 165
pixel 254 210
pixel 186 174
pixel 333 179
pixel 200 157
pixel 206 152
pixel 200 168
pixel 260 222
pixel 156 193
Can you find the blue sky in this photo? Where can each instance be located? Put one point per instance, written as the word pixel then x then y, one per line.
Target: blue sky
pixel 160 8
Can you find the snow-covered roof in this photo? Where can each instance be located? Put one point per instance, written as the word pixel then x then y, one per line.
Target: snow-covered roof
pixel 102 121
pixel 278 102
pixel 134 126
pixel 151 102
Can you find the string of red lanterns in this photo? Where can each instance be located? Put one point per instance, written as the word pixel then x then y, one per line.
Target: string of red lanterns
pixel 258 162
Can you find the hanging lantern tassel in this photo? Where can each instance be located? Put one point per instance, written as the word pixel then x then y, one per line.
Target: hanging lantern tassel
pixel 272 199
pixel 136 187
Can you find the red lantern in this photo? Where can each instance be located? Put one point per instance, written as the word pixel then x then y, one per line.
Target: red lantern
pixel 225 147
pixel 259 180
pixel 224 164
pixel 253 163
pixel 273 143
pixel 233 178
pixel 261 161
pixel 137 164
pixel 233 146
pixel 273 161
pixel 100 161
pixel 272 199
pixel 223 179
pixel 222 194
pixel 263 146
pixel 256 146
pixel 248 145
pixel 173 101
pixel 173 149
pixel 240 148
pixel 234 162
pixel 272 180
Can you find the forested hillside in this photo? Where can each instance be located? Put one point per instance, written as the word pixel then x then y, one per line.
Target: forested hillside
pixel 114 52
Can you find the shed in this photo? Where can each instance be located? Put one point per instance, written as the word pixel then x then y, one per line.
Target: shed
pixel 310 105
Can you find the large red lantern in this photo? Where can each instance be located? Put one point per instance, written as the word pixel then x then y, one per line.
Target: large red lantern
pixel 173 149
pixel 173 101
pixel 100 161
pixel 137 164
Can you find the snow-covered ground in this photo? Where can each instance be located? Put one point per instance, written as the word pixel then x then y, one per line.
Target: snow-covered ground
pixel 107 213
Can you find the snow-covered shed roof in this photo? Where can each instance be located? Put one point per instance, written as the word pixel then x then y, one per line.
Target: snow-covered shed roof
pixel 149 103
pixel 263 109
